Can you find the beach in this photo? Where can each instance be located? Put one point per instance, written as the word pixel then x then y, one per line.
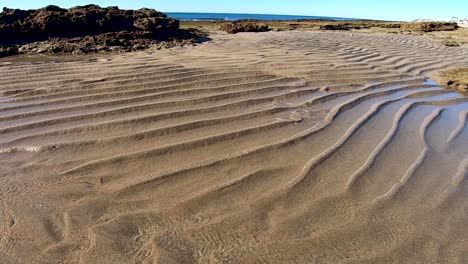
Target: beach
pixel 272 147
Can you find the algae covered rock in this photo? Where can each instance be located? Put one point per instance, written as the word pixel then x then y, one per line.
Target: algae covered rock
pixel 245 25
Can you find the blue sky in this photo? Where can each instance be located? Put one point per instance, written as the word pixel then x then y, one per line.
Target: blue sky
pixel 373 9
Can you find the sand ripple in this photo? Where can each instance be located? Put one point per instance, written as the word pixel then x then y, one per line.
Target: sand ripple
pixel 279 147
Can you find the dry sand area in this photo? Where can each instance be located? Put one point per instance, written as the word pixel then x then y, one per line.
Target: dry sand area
pixel 277 147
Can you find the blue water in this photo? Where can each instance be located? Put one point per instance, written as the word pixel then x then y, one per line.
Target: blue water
pixel 229 17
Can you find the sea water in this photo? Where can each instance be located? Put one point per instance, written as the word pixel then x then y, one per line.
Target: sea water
pixel 230 17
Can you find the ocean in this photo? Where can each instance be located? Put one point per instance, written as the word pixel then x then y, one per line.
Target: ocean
pixel 229 17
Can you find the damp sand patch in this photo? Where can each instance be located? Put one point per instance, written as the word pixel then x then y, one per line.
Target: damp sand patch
pixel 454 79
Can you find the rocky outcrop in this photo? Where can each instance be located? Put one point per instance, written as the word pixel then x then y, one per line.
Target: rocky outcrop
pixel 53 21
pixel 156 24
pixel 245 25
pixel 318 24
pixel 429 26
pixel 85 29
pixel 114 42
pixel 335 27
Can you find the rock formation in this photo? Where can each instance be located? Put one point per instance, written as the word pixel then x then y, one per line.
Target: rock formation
pixel 244 25
pixel 85 29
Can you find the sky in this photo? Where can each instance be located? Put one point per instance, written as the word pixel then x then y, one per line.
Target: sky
pixel 404 10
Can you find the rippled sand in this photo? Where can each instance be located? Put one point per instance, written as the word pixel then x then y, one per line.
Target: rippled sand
pixel 279 147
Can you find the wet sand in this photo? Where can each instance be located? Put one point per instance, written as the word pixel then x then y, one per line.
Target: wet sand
pixel 278 147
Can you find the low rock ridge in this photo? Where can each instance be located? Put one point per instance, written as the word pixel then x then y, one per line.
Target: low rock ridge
pixel 244 25
pixel 252 25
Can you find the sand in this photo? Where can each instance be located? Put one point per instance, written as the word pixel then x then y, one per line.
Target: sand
pixel 278 147
pixel 455 78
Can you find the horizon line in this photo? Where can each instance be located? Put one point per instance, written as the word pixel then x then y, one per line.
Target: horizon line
pixel 327 16
pixel 247 13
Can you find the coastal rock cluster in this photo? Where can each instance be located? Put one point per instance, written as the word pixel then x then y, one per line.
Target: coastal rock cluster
pixel 365 24
pixel 252 25
pixel 349 25
pixel 244 25
pixel 84 29
pixel 429 26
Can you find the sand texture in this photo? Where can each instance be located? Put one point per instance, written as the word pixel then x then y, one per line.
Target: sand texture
pixel 277 147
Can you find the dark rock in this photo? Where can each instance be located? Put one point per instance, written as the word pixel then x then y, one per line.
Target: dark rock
pixel 348 25
pixel 9 16
pixel 52 21
pixel 54 8
pixel 156 24
pixel 146 12
pixel 8 51
pixel 245 25
pixel 334 27
pixel 116 42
